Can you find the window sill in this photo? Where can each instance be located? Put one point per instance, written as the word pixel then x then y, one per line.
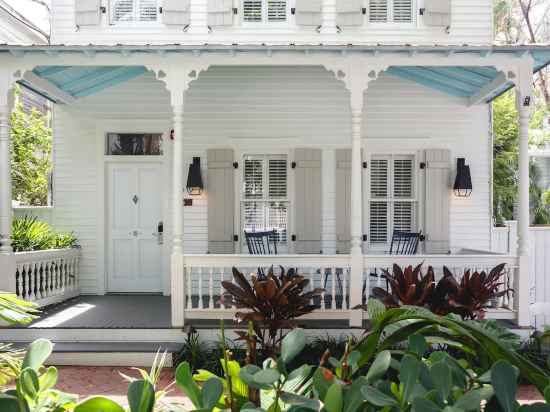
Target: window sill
pixel 23 207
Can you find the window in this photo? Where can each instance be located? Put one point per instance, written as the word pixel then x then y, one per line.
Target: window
pixel 392 197
pixel 386 11
pixel 264 11
pixel 133 144
pixel 264 201
pixel 133 11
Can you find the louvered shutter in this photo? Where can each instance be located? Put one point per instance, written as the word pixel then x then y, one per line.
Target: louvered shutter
pixel 349 12
pixel 379 206
pixel 87 12
pixel 436 207
pixel 175 12
pixel 378 11
pixel 221 200
pixel 276 11
pixel 220 13
pixel 307 201
pixel 404 199
pixel 402 11
pixel 252 11
pixel 308 12
pixel 343 200
pixel 437 13
pixel 122 10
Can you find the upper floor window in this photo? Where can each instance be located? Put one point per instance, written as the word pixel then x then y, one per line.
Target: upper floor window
pixel 133 11
pixel 391 11
pixel 264 11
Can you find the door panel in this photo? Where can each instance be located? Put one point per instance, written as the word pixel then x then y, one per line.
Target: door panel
pixel 134 205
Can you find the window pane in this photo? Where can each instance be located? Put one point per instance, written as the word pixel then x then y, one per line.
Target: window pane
pixel 379 178
pixel 402 11
pixel 276 10
pixel 132 144
pixel 253 216
pixel 378 222
pixel 277 218
pixel 403 178
pixel 378 11
pixel 147 10
pixel 252 10
pixel 277 178
pixel 403 216
pixel 123 10
pixel 253 179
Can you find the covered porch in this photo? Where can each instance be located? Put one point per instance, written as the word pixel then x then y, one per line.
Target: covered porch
pixel 351 262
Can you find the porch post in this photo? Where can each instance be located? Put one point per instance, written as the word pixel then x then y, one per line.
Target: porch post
pixel 524 92
pixel 177 263
pixel 328 19
pixel 7 258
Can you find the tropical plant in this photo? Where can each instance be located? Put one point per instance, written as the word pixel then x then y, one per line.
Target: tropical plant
pixel 408 287
pixel 28 233
pixel 273 303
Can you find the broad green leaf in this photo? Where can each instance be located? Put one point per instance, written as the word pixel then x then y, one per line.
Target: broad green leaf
pixel 535 407
pixel 293 343
pixel 141 396
pixel 48 379
pixel 301 401
pixel 8 403
pixel 424 405
pixel 504 380
pixel 334 400
pixel 267 376
pixel 409 374
pixel 98 404
pixel 379 367
pixel 441 378
pixel 203 375
pixel 184 379
pixel 29 384
pixel 377 397
pixel 418 344
pixel 471 400
pixel 353 397
pixel 211 393
pixel 322 380
pixel 37 353
pixel 547 394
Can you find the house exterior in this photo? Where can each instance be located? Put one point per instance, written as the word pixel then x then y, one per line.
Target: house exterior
pixel 331 122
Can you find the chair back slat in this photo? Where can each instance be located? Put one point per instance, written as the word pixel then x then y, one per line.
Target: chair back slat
pixel 261 243
pixel 404 243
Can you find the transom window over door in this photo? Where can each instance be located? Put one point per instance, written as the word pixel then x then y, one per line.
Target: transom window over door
pixel 140 11
pixel 264 11
pixel 393 199
pixel 391 11
pixel 264 196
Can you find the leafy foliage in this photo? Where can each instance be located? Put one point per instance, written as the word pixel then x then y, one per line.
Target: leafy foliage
pixel 28 233
pixel 273 303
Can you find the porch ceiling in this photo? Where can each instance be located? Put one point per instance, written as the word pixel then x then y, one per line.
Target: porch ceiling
pixel 479 84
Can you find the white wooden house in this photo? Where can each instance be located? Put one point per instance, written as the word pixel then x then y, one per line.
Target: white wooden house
pixel 334 122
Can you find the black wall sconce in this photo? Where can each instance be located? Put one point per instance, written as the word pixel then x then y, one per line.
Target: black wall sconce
pixel 194 178
pixel 463 181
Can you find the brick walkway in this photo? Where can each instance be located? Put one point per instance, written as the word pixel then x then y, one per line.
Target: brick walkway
pixel 87 381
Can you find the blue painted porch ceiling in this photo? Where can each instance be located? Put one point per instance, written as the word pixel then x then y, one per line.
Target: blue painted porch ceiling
pixel 81 81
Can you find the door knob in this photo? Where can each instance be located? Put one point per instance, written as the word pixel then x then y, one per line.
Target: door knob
pixel 134 233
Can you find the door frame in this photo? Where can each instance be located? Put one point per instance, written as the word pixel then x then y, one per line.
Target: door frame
pixel 131 126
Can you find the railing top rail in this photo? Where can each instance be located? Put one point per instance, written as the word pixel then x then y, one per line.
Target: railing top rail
pixel 207 260
pixel 27 256
pixel 441 260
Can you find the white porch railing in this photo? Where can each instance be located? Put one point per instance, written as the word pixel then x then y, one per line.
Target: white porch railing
pixel 199 294
pixel 47 276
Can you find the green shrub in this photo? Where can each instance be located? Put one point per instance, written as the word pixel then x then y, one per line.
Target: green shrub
pixel 28 233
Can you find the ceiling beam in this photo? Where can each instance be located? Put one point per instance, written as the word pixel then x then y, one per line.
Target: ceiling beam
pixel 488 90
pixel 49 88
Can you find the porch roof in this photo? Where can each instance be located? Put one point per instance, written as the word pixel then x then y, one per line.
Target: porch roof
pixel 480 84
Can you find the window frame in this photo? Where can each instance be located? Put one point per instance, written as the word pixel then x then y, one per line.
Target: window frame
pixel 134 22
pixel 380 24
pixel 264 21
pixel 283 247
pixel 390 199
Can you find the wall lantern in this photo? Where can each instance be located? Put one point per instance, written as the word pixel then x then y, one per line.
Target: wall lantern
pixel 194 178
pixel 463 181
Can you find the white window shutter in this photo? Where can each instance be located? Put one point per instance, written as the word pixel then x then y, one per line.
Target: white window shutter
pixel 349 12
pixel 175 12
pixel 221 200
pixel 87 12
pixel 437 13
pixel 276 11
pixel 307 201
pixel 147 10
pixel 252 11
pixel 308 12
pixel 378 11
pixel 343 200
pixel 403 11
pixel 437 202
pixel 379 225
pixel 220 13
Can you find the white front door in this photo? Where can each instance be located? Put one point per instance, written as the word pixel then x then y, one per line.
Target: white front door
pixel 134 209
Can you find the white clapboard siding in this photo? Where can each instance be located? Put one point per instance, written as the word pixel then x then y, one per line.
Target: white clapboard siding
pixel 221 201
pixel 307 200
pixel 271 108
pixel 343 199
pixel 471 24
pixel 87 13
pixel 436 206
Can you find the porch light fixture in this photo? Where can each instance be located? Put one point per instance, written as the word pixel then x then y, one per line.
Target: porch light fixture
pixel 463 181
pixel 194 178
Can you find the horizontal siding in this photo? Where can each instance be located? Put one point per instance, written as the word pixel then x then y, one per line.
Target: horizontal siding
pixel 471 24
pixel 273 108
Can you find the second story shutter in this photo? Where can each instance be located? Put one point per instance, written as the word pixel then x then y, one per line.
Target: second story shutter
pixel 308 12
pixel 307 201
pixel 220 13
pixel 175 12
pixel 378 11
pixel 437 202
pixel 437 13
pixel 349 12
pixel 403 11
pixel 221 201
pixel 343 200
pixel 87 12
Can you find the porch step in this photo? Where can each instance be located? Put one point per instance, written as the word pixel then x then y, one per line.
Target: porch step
pixel 140 354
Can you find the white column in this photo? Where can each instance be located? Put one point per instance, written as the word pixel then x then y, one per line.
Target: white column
pixel 522 283
pixel 198 17
pixel 328 19
pixel 177 261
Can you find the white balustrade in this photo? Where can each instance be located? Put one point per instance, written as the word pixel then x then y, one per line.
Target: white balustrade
pixel 47 276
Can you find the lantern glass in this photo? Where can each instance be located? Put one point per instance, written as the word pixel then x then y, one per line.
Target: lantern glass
pixel 194 178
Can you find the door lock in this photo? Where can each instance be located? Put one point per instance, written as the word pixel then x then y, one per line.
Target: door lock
pixel 134 233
